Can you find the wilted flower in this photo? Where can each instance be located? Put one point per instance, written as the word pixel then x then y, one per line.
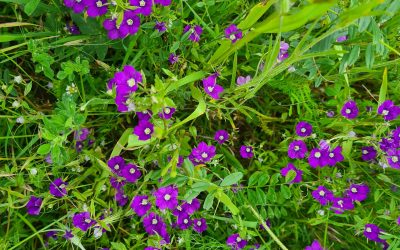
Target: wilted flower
pixel 339 205
pixel 117 183
pixel 121 198
pixel 81 134
pixel 341 39
pixel 160 26
pixel 68 235
pixel 241 80
pixel 76 5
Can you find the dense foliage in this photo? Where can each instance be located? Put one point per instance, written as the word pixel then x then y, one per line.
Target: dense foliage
pixel 212 124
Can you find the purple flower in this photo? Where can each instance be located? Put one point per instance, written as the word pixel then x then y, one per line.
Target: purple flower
pixel 166 197
pixel 246 151
pixel 144 130
pixel 368 153
pixel 290 166
pixel 371 232
pixel 236 242
pixel 194 32
pixel 341 39
pixel 173 58
pixel 339 205
pixel 184 221
pixel 335 156
pixel 121 198
pixel 393 158
pixel 283 51
pixel 112 31
pixel 151 248
pixel 200 225
pixel 81 134
pixel 68 235
pixel 358 192
pixel 130 24
pixel 350 110
pixel 233 33
pixel 203 152
pixel 96 7
pixel 241 80
pixel 160 26
pixel 144 7
pixel 51 234
pixel 318 158
pixel 396 135
pixel 282 56
pixel 58 188
pixel 128 79
pixel 76 5
pixel 179 163
pixel 116 164
pixel 398 220
pixel 221 136
pixel 267 223
pixel 34 205
pixel 153 224
pixel 163 2
pixel 304 129
pixel 297 149
pixel 131 172
pixel 191 206
pixel 78 146
pixel 330 113
pixel 211 87
pixel 324 145
pixel 141 204
pixel 389 110
pixel 83 221
pixel 117 183
pixel 179 211
pixel 323 195
pixel 48 159
pixel 144 115
pixel 166 113
pixel 314 246
pixel 73 29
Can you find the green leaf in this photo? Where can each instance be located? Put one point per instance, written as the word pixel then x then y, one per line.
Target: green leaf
pixel 117 246
pixel 121 142
pixel 31 6
pixel 44 149
pixel 221 196
pixel 382 92
pixel 200 186
pixel 27 89
pixel 353 56
pixel 231 179
pixel 370 56
pixel 290 176
pixel 253 180
pixel 187 79
pixel 285 190
pixel 208 202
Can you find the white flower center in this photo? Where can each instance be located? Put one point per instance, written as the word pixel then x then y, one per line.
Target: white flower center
pixel 78 1
pixel 129 22
pixel 179 208
pixel 248 150
pixel 385 112
pixel 88 221
pixel 142 3
pixel 167 197
pixel 144 202
pixel 395 159
pixel 198 223
pixel 167 111
pixel 303 130
pixel 365 152
pixel 204 155
pixel 221 137
pixel 340 203
pixel 317 154
pixel 354 190
pixel 62 186
pixel 210 89
pixel 232 37
pixel 154 221
pixel 99 4
pixel 348 111
pixel 132 171
pixel 131 82
pixel 322 193
pixel 331 155
pixel 147 131
pixel 368 229
pixel 185 221
pixel 238 239
pixel 296 148
pixel 116 167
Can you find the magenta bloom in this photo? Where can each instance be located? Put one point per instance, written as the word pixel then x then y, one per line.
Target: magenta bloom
pixel 358 192
pixel 195 32
pixel 76 5
pixel 396 135
pixel 144 7
pixel 141 204
pixel 163 2
pixel 160 26
pixel 166 197
pixel 68 235
pixel 318 158
pixel 131 172
pixel 130 24
pixel 283 51
pixel 350 110
pixel 73 29
pixel 297 149
pixel 368 153
pixel 290 166
pixel 371 232
pixel 184 221
pixel 202 153
pixel 178 211
pixel 191 206
pixel 173 58
pixel 128 79
pixel 246 151
pixel 304 129
pixel 117 183
pixel 144 115
pixel 96 7
pixel 314 246
pixel 144 130
pixel 121 198
pixel 81 134
pixel 200 225
pixel 83 221
pixel 211 87
pixel 241 80
pixel 341 39
pixel 233 33
pixel 221 136
pixel 112 31
pixel 153 224
pixel 116 164
pixel 34 205
pixel 166 113
pixel 339 205
pixel 235 242
pixel 323 195
pixel 389 110
pixel 58 188
pixel 335 156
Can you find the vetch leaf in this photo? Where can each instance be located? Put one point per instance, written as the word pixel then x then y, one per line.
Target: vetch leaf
pixel 44 149
pixel 231 179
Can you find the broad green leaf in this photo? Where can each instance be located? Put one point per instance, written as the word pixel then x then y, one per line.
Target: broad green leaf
pixel 285 191
pixel 31 6
pixel 208 202
pixel 231 179
pixel 187 79
pixel 290 176
pixel 370 56
pixel 221 196
pixel 121 142
pixel 44 149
